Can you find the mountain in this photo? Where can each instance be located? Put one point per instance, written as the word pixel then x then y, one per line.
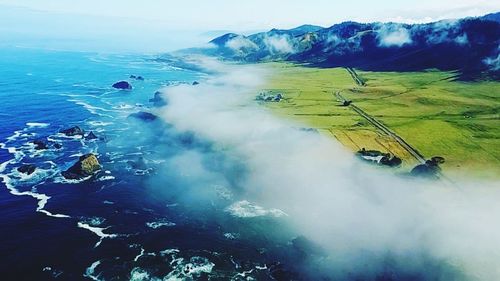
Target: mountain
pixel 492 17
pixel 470 46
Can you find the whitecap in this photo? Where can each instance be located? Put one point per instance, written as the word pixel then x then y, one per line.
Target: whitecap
pixel 94 221
pixel 139 274
pixel 231 236
pixel 64 180
pixel 169 252
pixel 139 255
pixel 37 125
pixel 92 109
pixel 14 136
pixel 191 269
pixel 99 123
pixel 106 178
pixel 142 253
pixel 79 154
pixel 55 273
pixel 245 209
pixel 160 223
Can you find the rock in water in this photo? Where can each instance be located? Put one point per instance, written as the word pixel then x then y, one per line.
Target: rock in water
pixel 140 164
pixel 136 77
pixel 73 131
pixel 122 85
pixel 86 166
pixel 90 136
pixel 196 83
pixel 27 169
pixel 144 116
pixel 41 144
pixel 158 100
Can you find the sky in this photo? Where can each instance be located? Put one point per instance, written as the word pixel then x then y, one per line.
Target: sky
pixel 179 24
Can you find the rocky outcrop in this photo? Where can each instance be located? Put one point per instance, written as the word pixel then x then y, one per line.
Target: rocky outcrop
pixel 139 164
pixel 140 78
pixel 86 166
pixel 91 136
pixel 73 131
pixel 27 169
pixel 144 116
pixel 158 100
pixel 122 85
pixel 41 144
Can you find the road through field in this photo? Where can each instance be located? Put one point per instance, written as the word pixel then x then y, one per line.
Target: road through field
pixel 417 155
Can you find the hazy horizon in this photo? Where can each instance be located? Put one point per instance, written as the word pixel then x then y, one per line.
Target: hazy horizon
pixel 155 26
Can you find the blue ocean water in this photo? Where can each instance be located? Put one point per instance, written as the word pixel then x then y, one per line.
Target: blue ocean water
pixel 135 219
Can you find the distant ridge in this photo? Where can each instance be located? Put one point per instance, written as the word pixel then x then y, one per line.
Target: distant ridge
pixel 469 46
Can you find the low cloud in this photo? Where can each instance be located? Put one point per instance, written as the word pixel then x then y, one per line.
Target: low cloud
pixel 279 44
pixel 393 36
pixel 494 61
pixel 240 43
pixel 447 31
pixel 369 221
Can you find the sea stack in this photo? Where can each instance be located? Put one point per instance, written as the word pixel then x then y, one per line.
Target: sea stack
pixel 122 85
pixel 86 166
pixel 27 169
pixel 73 131
pixel 144 116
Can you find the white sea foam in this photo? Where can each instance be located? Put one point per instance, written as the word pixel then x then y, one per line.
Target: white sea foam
pixel 142 253
pixel 93 109
pixel 41 198
pixel 61 179
pixel 245 209
pixel 99 123
pixel 94 221
pixel 231 236
pixel 139 255
pixel 16 135
pixel 37 125
pixel 90 271
pixel 139 274
pixel 79 154
pixel 188 270
pixel 106 178
pixel 160 223
pixel 99 231
pixel 169 252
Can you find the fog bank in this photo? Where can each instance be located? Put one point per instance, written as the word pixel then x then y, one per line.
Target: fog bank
pixel 365 218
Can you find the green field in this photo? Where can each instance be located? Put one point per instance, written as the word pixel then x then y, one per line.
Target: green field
pixel 433 113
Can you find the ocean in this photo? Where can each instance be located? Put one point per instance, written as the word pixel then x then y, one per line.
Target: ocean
pixel 207 184
pixel 130 221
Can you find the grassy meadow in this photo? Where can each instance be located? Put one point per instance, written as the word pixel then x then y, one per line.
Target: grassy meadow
pixel 435 114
